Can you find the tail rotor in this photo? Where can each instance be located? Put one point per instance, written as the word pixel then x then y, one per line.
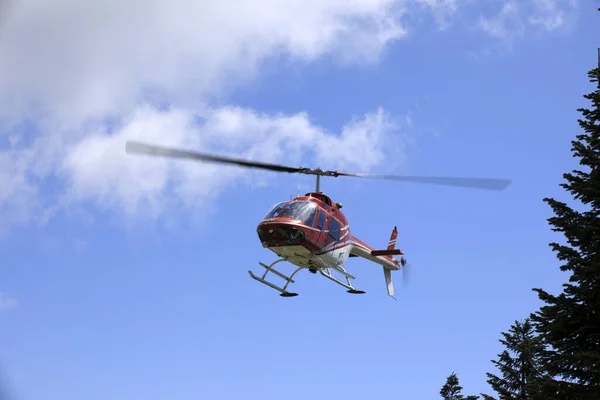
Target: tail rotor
pixel 405 272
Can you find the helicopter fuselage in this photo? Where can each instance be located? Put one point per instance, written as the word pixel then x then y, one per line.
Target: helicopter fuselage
pixel 302 245
pixel 309 231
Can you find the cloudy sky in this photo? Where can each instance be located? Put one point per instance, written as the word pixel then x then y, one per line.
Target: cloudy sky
pixel 126 277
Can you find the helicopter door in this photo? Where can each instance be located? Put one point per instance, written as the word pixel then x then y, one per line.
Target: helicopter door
pixel 321 236
pixel 334 230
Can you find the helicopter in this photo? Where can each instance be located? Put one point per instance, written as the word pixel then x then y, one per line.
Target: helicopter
pixel 310 231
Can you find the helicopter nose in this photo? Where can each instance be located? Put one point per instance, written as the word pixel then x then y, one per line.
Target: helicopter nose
pixel 272 235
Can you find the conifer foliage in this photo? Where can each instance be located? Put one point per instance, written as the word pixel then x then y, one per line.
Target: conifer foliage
pixel 452 390
pixel 569 323
pixel 519 364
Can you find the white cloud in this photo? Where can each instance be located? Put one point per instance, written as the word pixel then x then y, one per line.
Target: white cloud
pixel 444 10
pixel 551 14
pixel 7 303
pixel 517 18
pixel 78 78
pixel 97 168
pixel 95 58
pixel 507 23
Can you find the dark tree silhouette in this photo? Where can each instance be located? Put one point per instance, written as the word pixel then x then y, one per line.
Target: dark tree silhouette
pixel 519 364
pixel 569 323
pixel 452 390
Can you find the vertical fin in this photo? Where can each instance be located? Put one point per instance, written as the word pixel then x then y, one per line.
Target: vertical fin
pixel 386 272
pixel 388 283
pixel 392 243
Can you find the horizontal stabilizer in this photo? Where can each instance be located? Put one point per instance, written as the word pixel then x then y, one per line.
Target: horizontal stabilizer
pixel 390 252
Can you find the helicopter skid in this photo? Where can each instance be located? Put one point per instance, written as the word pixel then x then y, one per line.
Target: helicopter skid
pixel 326 272
pixel 312 265
pixel 288 279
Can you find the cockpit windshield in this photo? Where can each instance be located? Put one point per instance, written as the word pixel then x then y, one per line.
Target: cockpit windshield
pixel 274 211
pixel 305 211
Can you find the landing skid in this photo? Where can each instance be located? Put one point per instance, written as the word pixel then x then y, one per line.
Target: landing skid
pixel 323 270
pixel 326 272
pixel 288 279
pixel 354 291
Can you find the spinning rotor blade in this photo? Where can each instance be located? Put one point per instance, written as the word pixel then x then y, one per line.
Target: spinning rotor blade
pixel 134 147
pixel 477 183
pixel 406 275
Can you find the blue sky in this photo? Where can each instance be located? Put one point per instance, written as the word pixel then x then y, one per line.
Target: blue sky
pixel 126 278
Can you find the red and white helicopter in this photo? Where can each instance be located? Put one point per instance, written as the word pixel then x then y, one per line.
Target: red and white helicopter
pixel 310 231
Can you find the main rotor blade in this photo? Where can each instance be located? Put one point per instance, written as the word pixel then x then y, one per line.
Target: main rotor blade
pixel 477 183
pixel 134 147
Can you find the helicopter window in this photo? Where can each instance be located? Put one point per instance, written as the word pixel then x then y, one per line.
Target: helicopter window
pixel 274 211
pixel 321 220
pixel 305 211
pixel 334 229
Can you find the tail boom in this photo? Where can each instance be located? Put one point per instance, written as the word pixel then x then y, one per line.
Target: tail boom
pixel 382 257
pixel 363 250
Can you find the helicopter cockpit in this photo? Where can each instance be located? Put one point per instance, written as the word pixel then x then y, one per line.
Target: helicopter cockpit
pixel 304 211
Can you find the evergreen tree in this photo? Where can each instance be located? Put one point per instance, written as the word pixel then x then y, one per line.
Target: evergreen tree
pixel 519 364
pixel 452 390
pixel 570 322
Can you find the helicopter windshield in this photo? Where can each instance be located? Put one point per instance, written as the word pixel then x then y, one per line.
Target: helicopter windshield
pixel 274 211
pixel 305 211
